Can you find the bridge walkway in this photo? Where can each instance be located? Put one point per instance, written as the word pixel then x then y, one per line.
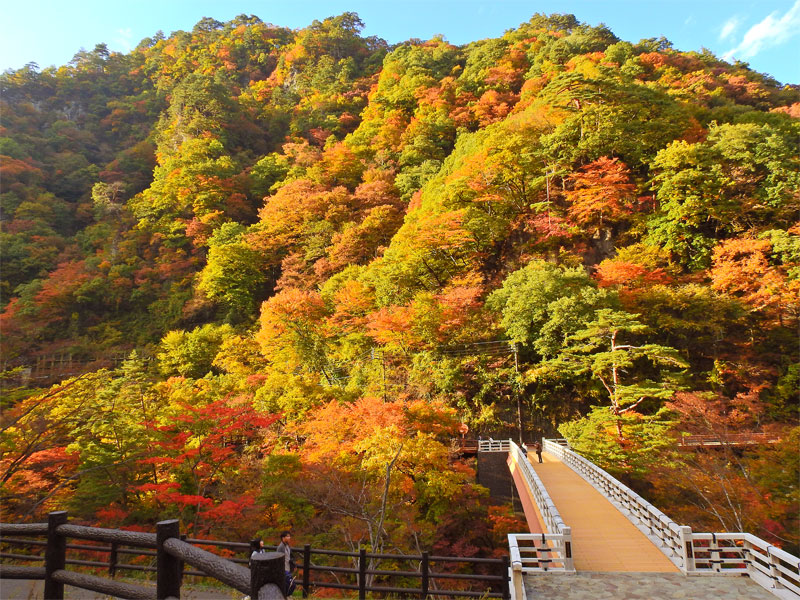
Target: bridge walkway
pixel 603 539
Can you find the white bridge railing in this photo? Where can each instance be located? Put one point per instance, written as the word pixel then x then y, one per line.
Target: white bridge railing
pixel 491 445
pixel 693 553
pixel 745 554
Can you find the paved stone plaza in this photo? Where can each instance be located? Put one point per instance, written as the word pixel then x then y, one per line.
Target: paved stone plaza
pixel 641 586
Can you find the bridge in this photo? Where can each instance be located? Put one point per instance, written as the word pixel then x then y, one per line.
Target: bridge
pixel 591 537
pixel 729 439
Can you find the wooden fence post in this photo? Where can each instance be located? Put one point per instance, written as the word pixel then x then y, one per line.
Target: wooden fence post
pixel 267 567
pixel 362 574
pixel 112 560
pixel 306 570
pixel 55 555
pixel 425 571
pixel 170 571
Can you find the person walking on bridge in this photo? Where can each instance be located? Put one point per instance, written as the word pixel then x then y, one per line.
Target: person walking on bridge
pixel 537 447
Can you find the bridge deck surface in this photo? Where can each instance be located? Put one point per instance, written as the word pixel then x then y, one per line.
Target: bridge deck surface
pixel 603 539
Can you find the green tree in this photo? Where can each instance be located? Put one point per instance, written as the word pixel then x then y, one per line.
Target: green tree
pixel 630 374
pixel 234 275
pixel 192 353
pixel 542 304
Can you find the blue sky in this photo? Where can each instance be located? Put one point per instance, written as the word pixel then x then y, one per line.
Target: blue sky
pixel 763 33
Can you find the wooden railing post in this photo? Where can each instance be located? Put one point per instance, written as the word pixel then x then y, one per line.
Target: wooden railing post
pixel 566 533
pixel 113 559
pixel 715 559
pixel 169 574
pixel 55 555
pixel 424 567
pixel 773 568
pixel 306 570
pixel 362 574
pixel 265 568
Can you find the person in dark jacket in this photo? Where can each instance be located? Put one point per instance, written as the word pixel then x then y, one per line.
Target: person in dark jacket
pixel 537 447
pixel 288 563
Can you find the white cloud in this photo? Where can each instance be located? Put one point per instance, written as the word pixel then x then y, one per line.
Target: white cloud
pixel 124 39
pixel 774 30
pixel 729 27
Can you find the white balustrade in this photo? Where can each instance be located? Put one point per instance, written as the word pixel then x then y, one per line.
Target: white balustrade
pixel 746 554
pixel 491 445
pixel 694 553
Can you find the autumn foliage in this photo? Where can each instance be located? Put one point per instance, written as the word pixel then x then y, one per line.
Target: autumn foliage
pixel 262 277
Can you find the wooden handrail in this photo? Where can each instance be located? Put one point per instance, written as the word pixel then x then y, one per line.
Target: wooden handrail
pixel 98 534
pixel 234 575
pixel 208 564
pixel 102 585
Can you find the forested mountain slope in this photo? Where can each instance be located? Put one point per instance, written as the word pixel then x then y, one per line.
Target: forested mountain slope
pixel 301 239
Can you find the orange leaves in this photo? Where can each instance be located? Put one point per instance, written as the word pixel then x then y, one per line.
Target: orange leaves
pixel 290 309
pixel 628 274
pixel 13 170
pixel 494 106
pixel 444 230
pixel 431 417
pixel 333 430
pixel 392 325
pixel 601 192
pixel 352 303
pixel 459 305
pixel 742 267
pixel 293 328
